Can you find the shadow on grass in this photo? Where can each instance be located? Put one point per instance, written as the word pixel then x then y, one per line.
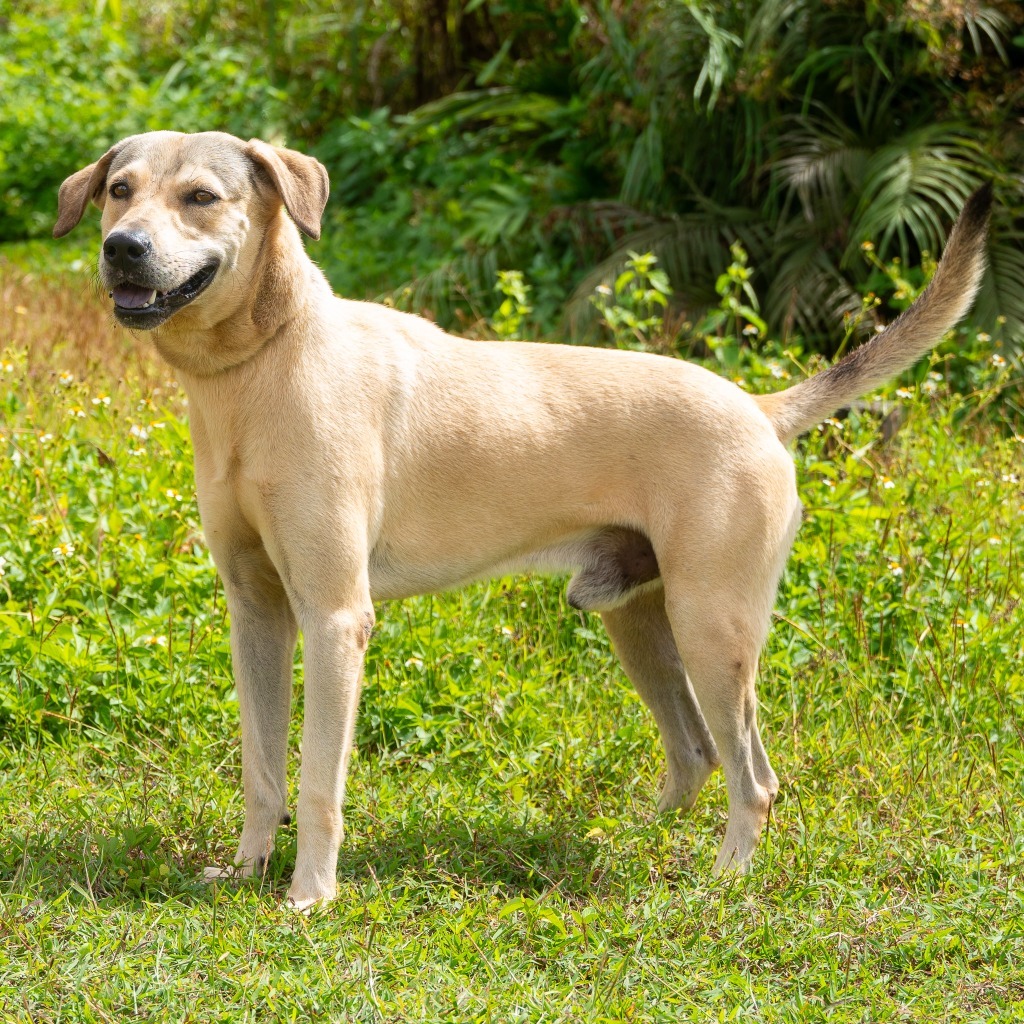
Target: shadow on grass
pixel 522 858
pixel 132 867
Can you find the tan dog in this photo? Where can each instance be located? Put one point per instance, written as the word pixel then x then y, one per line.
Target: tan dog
pixel 346 453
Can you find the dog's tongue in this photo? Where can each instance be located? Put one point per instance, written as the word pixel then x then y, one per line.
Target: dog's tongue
pixel 131 296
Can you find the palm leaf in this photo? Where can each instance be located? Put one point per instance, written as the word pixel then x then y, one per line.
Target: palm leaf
pixel 912 186
pixel 1002 291
pixel 808 293
pixel 822 163
pixel 451 293
pixel 989 22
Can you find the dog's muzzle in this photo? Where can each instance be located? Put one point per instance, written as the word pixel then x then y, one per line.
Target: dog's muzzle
pixel 138 303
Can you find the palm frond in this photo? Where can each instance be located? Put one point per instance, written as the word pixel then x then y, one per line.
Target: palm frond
pixel 450 293
pixel 991 23
pixel 1002 291
pixel 523 111
pixel 912 186
pixel 822 163
pixel 808 293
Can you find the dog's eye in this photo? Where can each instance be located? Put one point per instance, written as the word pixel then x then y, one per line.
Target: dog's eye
pixel 119 190
pixel 203 196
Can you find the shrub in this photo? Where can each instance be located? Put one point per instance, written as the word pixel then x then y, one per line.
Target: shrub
pixel 73 85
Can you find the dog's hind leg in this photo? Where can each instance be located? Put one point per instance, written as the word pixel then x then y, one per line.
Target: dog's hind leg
pixel 720 561
pixel 643 640
pixel 721 647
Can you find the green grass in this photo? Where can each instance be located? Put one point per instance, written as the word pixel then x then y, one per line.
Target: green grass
pixel 502 861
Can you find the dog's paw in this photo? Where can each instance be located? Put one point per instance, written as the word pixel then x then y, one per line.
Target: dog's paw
pixel 230 873
pixel 678 794
pixel 308 892
pixel 729 865
pixel 306 905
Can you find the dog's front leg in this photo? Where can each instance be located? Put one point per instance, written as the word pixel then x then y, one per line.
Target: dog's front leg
pixel 335 643
pixel 263 632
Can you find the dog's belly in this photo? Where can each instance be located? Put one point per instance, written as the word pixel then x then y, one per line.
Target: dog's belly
pixel 609 563
pixel 393 578
pixel 391 581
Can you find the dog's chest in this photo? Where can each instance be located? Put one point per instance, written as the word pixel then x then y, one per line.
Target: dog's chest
pixel 229 473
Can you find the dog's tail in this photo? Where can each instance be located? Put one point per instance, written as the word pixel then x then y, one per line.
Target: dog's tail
pixel 946 299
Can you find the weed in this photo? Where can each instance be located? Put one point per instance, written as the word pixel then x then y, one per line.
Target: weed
pixel 631 309
pixel 507 321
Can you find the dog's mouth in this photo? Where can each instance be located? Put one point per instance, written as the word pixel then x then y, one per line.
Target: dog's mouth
pixel 142 307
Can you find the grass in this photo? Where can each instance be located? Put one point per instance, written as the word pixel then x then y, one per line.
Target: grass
pixel 502 861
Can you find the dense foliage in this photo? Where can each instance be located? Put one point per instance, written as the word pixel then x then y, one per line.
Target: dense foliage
pixel 556 135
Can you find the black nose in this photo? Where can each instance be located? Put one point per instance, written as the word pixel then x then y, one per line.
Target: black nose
pixel 126 249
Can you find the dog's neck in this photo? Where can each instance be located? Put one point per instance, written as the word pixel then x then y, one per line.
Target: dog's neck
pixel 270 294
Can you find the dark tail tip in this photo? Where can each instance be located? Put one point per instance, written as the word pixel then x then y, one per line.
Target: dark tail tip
pixel 977 209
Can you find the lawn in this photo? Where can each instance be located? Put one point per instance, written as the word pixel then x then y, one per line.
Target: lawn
pixel 502 860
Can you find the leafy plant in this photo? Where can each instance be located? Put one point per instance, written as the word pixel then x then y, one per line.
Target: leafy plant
pixel 631 308
pixel 508 319
pixel 833 123
pixel 738 309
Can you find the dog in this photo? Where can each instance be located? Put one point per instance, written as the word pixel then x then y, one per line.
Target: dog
pixel 347 453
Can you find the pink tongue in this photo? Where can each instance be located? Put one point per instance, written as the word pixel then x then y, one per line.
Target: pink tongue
pixel 130 296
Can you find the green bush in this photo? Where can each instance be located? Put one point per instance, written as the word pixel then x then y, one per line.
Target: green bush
pixel 556 137
pixel 73 85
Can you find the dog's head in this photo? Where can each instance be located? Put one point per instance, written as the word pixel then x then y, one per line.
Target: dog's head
pixel 184 216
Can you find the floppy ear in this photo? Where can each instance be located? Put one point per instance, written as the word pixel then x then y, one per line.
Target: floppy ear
pixel 300 181
pixel 83 185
